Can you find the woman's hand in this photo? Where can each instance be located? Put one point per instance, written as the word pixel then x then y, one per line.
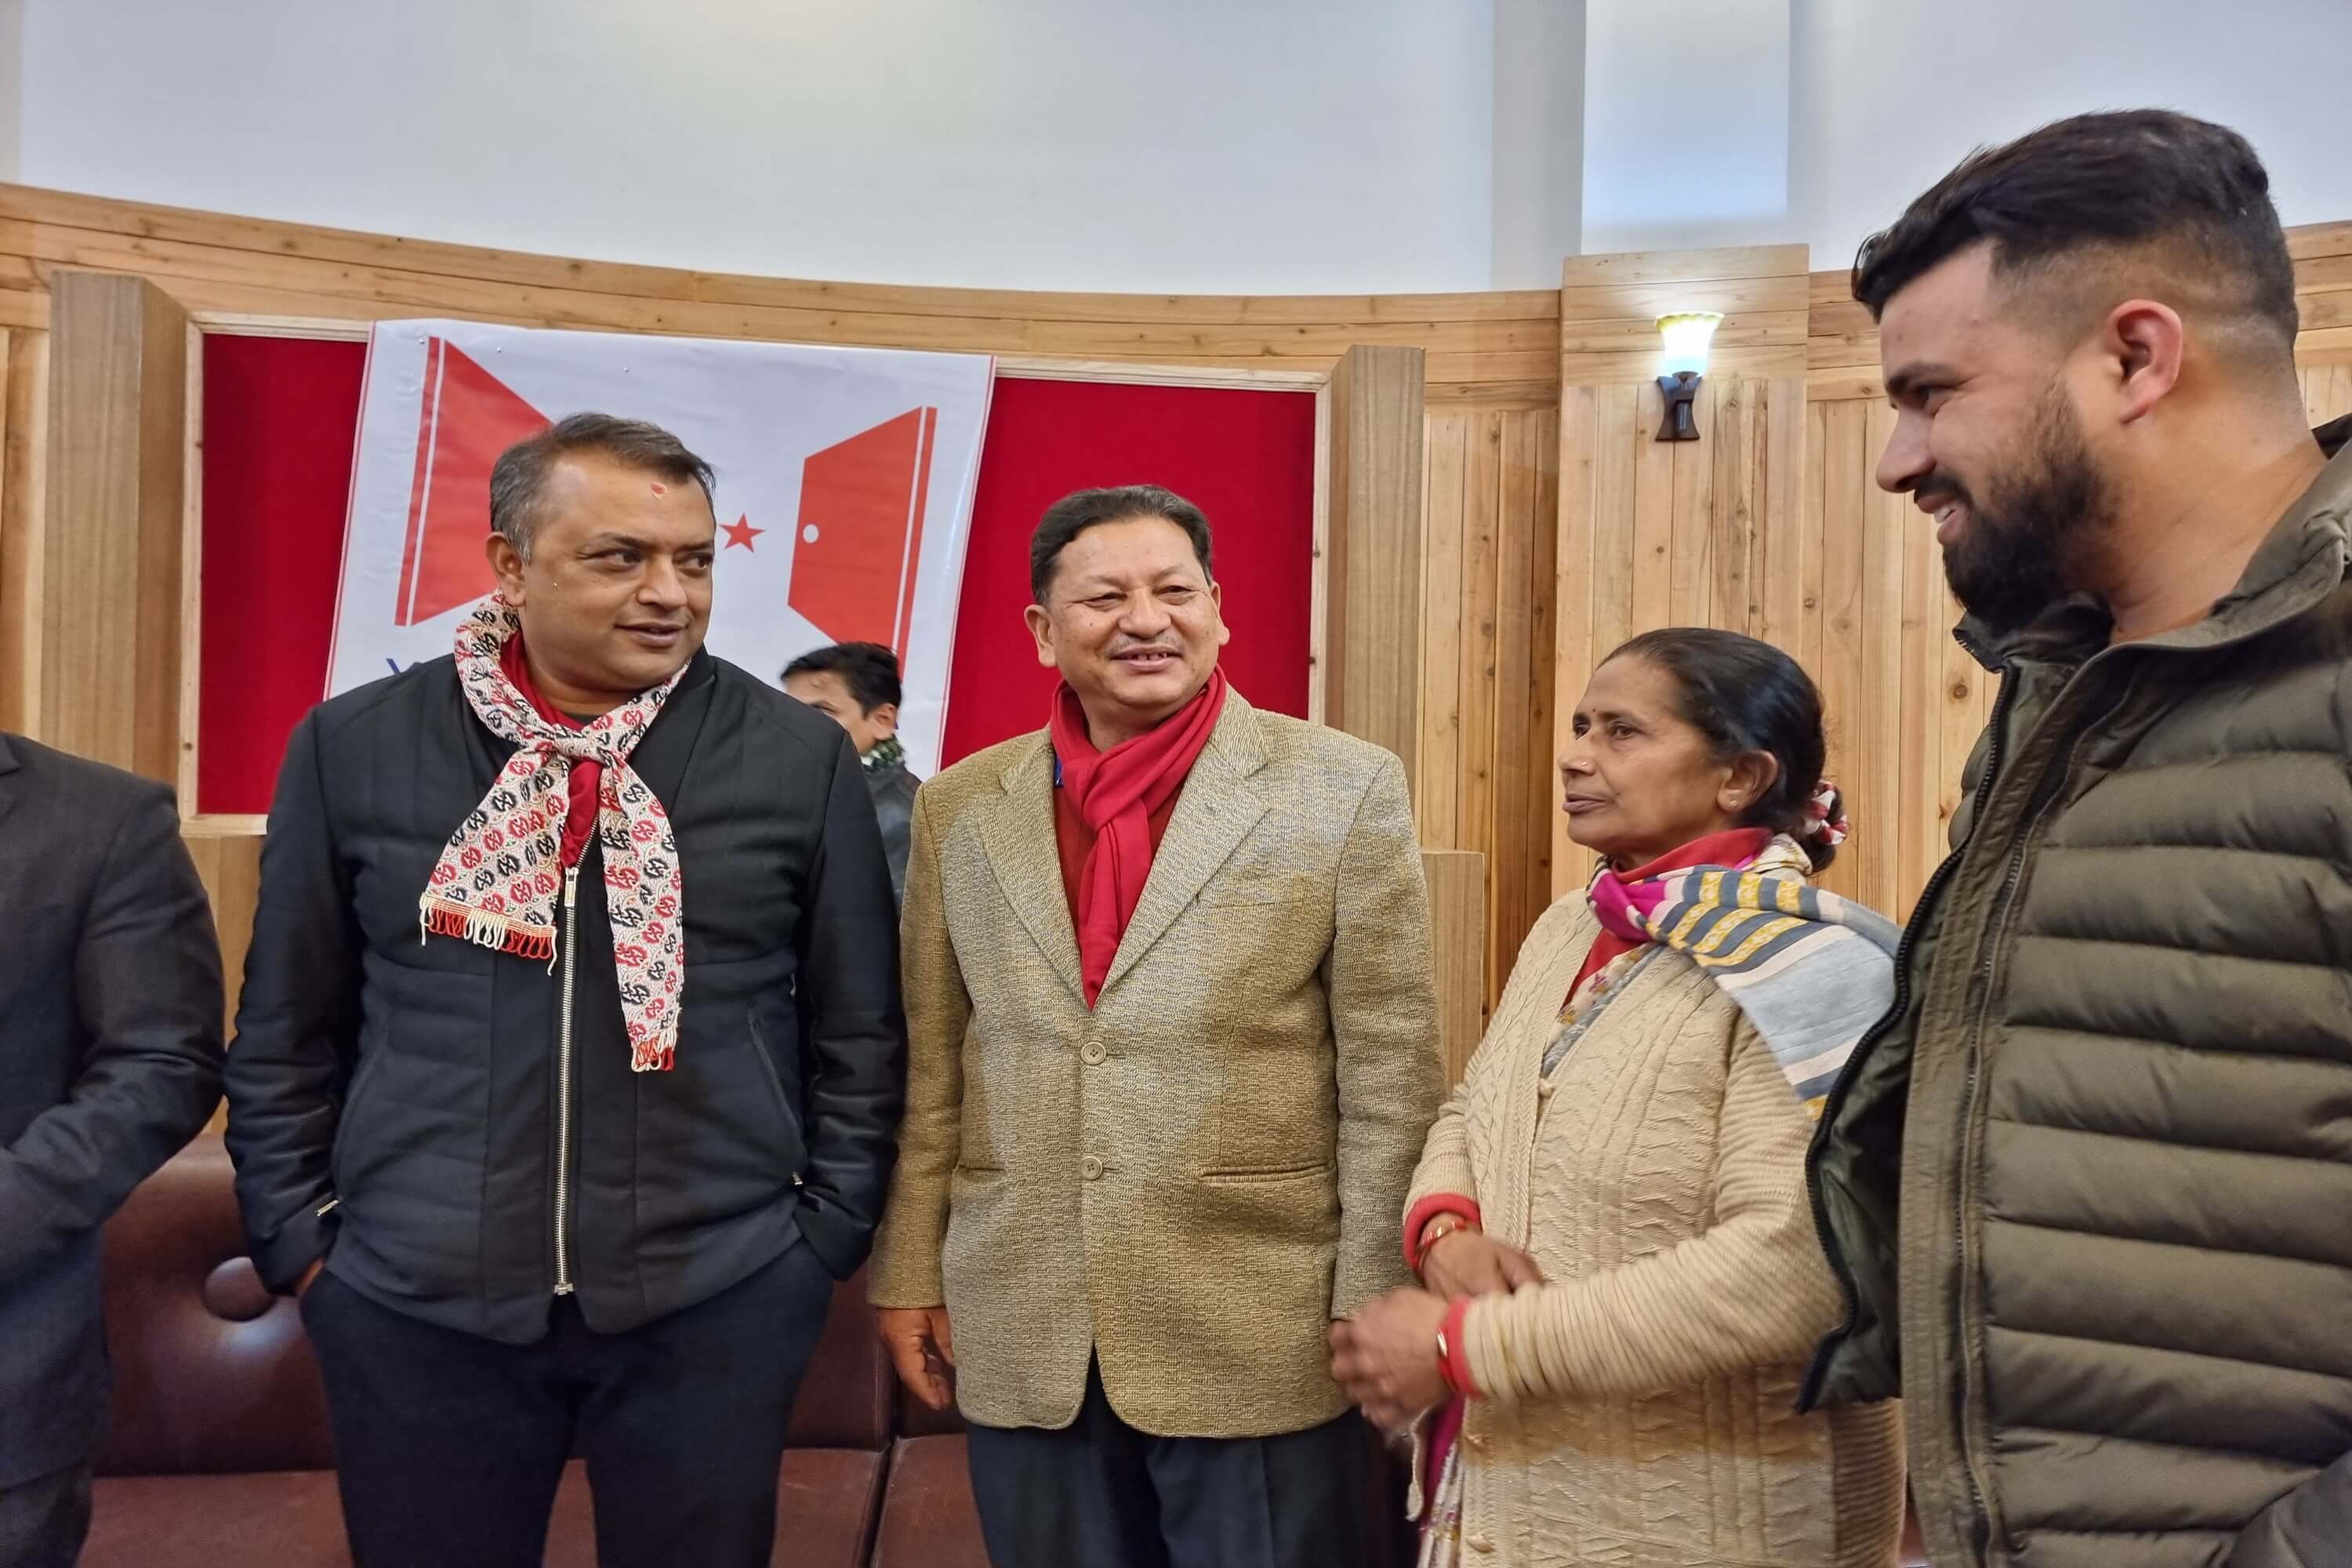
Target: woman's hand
pixel 1469 1262
pixel 1386 1357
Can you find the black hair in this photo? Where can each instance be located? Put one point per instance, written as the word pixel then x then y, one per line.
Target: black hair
pixel 2192 192
pixel 1082 510
pixel 519 476
pixel 867 669
pixel 1746 696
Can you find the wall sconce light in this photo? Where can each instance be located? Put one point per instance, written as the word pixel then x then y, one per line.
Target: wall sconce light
pixel 1686 335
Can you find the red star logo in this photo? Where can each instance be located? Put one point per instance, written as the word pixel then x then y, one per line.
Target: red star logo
pixel 740 531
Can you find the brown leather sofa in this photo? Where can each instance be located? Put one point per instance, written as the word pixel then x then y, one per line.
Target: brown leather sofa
pixel 220 1455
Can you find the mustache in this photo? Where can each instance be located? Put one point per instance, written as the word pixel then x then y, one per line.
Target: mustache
pixel 1941 482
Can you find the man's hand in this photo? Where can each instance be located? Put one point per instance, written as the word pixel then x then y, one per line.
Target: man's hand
pixel 922 1347
pixel 1386 1357
pixel 1469 1262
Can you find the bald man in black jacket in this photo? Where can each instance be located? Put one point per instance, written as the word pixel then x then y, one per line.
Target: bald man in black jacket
pixel 109 1060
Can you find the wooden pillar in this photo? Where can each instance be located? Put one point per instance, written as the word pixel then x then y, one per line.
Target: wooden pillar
pixel 1373 550
pixel 110 555
pixel 1457 917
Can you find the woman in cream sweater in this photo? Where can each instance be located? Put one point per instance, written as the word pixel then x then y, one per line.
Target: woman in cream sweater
pixel 1622 1281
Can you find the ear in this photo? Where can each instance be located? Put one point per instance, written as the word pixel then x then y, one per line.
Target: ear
pixel 886 718
pixel 1748 780
pixel 506 564
pixel 1041 627
pixel 2144 342
pixel 1217 602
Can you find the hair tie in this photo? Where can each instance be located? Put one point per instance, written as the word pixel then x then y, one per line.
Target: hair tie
pixel 1818 823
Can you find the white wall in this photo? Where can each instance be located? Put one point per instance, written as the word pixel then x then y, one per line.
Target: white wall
pixel 1248 146
pixel 1686 120
pixel 1890 95
pixel 1311 146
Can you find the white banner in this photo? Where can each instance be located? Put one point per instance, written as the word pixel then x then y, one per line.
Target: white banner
pixel 843 498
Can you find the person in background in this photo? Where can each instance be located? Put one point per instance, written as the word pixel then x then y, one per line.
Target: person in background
pixel 856 685
pixel 570 1049
pixel 1620 1280
pixel 109 1060
pixel 2088 1187
pixel 1173 1028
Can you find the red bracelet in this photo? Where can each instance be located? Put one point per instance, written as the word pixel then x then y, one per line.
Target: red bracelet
pixel 1453 1353
pixel 1428 1209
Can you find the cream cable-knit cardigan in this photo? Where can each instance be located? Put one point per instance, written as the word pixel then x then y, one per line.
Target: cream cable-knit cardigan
pixel 1638 1407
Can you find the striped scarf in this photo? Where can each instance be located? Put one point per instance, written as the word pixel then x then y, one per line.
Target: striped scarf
pixel 1811 971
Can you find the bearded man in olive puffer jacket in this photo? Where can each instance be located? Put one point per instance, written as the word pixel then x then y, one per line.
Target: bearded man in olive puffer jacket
pixel 2090 1185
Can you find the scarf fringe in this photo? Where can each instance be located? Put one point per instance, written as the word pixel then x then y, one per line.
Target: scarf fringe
pixel 436 918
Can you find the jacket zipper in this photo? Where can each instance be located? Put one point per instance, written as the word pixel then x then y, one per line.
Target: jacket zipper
pixel 2045 791
pixel 563 1092
pixel 1810 1394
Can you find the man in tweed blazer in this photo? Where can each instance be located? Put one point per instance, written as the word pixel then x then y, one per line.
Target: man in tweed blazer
pixel 1165 1095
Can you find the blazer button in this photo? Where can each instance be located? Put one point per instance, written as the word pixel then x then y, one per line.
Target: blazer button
pixel 1090 1168
pixel 1480 1544
pixel 1093 1055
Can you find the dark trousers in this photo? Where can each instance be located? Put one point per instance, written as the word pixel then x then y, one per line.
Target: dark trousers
pixel 43 1522
pixel 450 1447
pixel 1101 1493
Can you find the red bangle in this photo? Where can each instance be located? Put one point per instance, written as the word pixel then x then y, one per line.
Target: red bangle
pixel 1453 1353
pixel 1428 1209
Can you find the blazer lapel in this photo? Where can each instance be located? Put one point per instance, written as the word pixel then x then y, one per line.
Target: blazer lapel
pixel 1016 829
pixel 1220 805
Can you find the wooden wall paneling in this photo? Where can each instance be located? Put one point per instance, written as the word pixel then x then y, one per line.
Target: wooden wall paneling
pixel 112 555
pixel 1905 821
pixel 1690 572
pixel 1373 572
pixel 1491 346
pixel 1581 463
pixel 1877 763
pixel 1843 516
pixel 1513 891
pixel 1437 806
pixel 1541 781
pixel 1457 907
pixel 1593 536
pixel 24 510
pixel 1736 509
pixel 1481 588
pixel 230 865
pixel 1653 603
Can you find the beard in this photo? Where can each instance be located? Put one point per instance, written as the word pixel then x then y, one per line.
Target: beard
pixel 2016 558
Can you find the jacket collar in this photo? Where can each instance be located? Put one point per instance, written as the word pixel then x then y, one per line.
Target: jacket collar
pixel 1220 804
pixel 2301 560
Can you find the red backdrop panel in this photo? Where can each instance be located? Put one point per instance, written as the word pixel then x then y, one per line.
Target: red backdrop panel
pixel 1247 459
pixel 280 418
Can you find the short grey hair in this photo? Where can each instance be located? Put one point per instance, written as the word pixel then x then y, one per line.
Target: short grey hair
pixel 518 479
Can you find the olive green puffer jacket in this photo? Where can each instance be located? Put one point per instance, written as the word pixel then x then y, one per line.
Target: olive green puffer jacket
pixel 2090 1186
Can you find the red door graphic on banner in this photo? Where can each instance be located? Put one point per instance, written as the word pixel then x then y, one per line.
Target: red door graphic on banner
pixel 468 417
pixel 861 530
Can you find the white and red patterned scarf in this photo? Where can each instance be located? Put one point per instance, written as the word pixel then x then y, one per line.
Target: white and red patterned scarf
pixel 500 880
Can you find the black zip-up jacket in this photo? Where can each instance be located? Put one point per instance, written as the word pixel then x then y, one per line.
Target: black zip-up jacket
pixel 418 1112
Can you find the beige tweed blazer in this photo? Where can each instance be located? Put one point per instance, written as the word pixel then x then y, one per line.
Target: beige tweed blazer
pixel 1187 1182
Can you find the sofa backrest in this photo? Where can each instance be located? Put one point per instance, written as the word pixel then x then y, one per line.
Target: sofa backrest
pixel 213 1374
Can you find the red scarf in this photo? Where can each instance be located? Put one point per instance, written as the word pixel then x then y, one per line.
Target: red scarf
pixel 1114 792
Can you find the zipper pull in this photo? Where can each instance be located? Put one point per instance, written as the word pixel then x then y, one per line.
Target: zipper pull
pixel 571 893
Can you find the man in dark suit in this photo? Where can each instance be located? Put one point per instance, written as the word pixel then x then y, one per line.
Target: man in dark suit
pixel 570 1045
pixel 109 1060
pixel 856 685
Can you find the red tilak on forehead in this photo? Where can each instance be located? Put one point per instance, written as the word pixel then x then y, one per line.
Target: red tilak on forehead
pixel 660 489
